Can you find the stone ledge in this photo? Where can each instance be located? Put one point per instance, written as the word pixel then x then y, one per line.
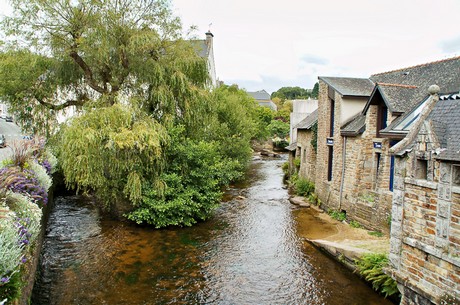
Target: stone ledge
pixel 431 250
pixel 345 254
pixel 421 182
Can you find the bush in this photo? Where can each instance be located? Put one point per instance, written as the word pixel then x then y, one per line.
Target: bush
pixel 304 187
pixel 194 176
pixel 355 224
pixel 371 266
pixel 337 215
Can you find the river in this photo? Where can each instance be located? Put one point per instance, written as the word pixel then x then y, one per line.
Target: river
pixel 249 252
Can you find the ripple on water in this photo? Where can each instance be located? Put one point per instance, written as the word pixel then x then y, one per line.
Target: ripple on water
pixel 248 253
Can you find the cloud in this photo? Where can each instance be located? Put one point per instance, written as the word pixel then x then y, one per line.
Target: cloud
pixel 314 59
pixel 451 46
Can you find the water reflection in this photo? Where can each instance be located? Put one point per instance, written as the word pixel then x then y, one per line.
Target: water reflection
pixel 248 253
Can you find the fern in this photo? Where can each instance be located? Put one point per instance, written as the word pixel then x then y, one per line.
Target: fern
pixel 371 266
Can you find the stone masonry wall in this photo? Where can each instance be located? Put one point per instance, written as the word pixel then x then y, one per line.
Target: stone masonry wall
pixel 328 191
pixel 425 230
pixel 369 196
pixel 307 154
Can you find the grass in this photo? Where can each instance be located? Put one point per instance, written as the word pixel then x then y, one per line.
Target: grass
pixel 376 233
pixel 337 215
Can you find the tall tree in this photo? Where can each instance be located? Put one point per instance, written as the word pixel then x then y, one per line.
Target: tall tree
pixel 98 53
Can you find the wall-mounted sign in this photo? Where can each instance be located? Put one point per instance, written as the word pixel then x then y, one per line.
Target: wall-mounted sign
pixel 330 141
pixel 378 145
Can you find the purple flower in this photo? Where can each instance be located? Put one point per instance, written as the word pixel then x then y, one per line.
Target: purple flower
pixel 4 280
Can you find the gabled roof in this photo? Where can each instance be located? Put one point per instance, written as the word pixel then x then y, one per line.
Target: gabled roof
pixel 404 88
pixel 355 126
pixel 308 122
pixel 395 96
pixel 201 47
pixel 260 95
pixel 445 120
pixel 348 86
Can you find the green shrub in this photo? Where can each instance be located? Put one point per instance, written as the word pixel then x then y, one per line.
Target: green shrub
pixel 285 168
pixel 375 233
pixel 337 215
pixel 313 198
pixel 371 266
pixel 355 224
pixel 304 187
pixel 297 163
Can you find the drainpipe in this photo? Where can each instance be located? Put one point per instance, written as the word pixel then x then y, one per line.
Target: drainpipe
pixel 344 153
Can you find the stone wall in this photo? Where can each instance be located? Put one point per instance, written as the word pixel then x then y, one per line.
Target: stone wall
pixel 357 187
pixel 307 154
pixel 425 230
pixel 328 191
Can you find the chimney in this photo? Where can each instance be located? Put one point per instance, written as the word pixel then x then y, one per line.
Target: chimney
pixel 209 37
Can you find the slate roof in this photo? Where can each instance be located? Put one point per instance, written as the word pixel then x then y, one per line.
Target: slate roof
pixel 355 126
pixel 291 147
pixel 260 95
pixel 396 96
pixel 405 88
pixel 445 118
pixel 348 86
pixel 308 122
pixel 201 47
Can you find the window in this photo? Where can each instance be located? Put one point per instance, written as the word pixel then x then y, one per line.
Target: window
pixel 421 169
pixel 377 167
pixel 329 163
pixel 456 175
pixel 331 121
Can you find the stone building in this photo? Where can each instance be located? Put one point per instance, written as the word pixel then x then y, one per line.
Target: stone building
pixel 263 99
pixel 340 100
pixel 425 230
pixel 354 170
pixel 303 149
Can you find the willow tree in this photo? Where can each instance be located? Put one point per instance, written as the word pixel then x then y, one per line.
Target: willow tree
pixel 124 64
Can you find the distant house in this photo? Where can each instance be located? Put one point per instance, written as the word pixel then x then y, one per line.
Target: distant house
pixel 303 148
pixel 425 230
pixel 263 99
pixel 205 49
pixel 3 110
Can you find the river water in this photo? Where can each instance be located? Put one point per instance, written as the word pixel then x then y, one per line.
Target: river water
pixel 249 252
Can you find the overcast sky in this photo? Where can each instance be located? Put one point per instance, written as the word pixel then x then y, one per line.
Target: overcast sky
pixel 270 44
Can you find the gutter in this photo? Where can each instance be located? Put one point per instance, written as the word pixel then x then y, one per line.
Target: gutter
pixel 344 153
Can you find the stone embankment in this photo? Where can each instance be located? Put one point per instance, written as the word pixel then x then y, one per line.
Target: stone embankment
pixel 343 242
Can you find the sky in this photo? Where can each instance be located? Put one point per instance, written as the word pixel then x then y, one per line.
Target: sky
pixel 272 44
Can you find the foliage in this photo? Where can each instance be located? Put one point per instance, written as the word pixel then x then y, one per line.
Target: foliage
pixel 278 129
pixel 337 215
pixel 234 122
pixel 315 91
pixel 355 224
pixel 111 151
pixel 304 187
pixel 371 266
pixel 23 181
pixel 314 138
pixel 297 163
pixel 264 117
pixel 375 233
pixel 194 175
pixel 313 198
pixel 291 93
pixel 11 248
pixel 98 53
pixel 285 168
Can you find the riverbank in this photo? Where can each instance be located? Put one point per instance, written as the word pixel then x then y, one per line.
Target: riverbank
pixel 342 241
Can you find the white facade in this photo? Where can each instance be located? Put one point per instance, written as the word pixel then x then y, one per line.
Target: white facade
pixel 300 110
